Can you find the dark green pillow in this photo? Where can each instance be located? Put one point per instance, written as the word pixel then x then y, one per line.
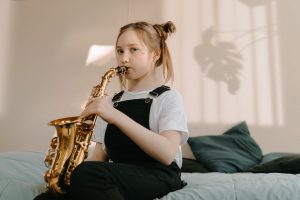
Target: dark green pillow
pixel 234 151
pixel 272 156
pixel 286 164
pixel 191 165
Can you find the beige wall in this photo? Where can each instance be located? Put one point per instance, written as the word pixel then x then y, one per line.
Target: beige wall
pixel 234 60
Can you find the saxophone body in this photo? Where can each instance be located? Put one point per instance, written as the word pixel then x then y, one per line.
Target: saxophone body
pixel 70 147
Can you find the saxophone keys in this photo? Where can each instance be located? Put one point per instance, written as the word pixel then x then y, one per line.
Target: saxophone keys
pixel 47 176
pixel 48 160
pixel 53 143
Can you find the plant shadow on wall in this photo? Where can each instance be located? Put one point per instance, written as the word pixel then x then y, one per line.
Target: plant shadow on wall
pixel 253 3
pixel 219 60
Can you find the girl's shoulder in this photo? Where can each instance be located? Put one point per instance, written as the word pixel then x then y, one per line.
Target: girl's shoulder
pixel 172 93
pixel 170 98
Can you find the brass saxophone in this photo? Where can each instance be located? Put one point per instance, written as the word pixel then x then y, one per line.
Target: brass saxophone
pixel 70 147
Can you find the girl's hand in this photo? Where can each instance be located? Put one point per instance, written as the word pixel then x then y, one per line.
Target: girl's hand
pixel 101 107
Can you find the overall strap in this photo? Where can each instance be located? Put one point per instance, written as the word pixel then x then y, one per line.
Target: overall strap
pixel 158 91
pixel 117 96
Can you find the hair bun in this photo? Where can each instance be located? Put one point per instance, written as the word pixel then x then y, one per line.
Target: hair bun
pixel 166 29
pixel 169 27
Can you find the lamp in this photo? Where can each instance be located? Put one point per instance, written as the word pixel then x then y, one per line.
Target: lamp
pixel 99 55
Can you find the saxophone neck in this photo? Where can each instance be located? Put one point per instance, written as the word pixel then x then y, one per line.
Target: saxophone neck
pixel 99 90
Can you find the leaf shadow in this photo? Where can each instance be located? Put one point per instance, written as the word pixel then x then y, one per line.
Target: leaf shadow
pixel 219 60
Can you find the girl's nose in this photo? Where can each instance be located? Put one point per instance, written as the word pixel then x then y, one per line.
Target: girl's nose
pixel 125 58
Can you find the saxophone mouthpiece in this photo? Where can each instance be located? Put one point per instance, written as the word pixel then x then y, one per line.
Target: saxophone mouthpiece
pixel 121 69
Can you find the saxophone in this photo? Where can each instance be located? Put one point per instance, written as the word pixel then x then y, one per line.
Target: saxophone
pixel 70 147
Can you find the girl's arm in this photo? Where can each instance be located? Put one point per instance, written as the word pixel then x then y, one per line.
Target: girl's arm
pixel 162 147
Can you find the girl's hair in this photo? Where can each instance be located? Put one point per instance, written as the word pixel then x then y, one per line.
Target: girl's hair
pixel 154 36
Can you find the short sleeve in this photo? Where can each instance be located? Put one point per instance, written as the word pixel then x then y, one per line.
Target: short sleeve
pixel 99 131
pixel 172 115
pixel 100 128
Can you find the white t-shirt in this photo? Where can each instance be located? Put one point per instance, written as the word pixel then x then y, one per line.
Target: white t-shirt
pixel 166 113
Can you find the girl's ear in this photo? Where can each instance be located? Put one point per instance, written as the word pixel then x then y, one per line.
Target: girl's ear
pixel 157 53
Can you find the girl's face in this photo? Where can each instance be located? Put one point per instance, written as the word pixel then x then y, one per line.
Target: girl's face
pixel 132 52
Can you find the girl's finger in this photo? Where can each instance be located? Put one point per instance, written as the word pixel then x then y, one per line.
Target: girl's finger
pixel 89 102
pixel 85 113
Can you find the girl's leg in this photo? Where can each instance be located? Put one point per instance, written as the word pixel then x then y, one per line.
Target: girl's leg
pixel 47 196
pixel 92 180
pixel 118 181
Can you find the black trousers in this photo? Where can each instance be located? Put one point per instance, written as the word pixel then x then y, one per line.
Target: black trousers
pixel 120 181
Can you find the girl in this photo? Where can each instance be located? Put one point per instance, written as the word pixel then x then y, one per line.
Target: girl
pixel 140 130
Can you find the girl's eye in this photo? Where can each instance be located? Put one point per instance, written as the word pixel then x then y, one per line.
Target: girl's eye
pixel 134 49
pixel 120 51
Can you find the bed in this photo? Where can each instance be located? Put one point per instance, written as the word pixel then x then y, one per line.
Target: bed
pixel 21 178
pixel 228 173
pixel 240 186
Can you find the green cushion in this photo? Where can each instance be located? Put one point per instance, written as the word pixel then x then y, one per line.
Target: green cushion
pixel 234 151
pixel 286 164
pixel 191 165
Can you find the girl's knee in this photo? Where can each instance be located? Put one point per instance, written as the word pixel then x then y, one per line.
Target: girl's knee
pixel 92 179
pixel 83 172
pixel 80 171
pixel 88 175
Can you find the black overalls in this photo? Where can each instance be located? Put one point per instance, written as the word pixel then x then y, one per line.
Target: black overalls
pixel 118 146
pixel 133 175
